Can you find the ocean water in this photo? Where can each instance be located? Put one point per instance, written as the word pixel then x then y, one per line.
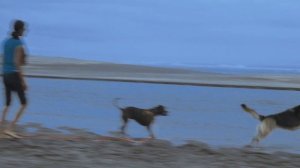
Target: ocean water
pixel 208 114
pixel 231 32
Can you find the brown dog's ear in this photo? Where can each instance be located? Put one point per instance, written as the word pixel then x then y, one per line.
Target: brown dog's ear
pixel 243 105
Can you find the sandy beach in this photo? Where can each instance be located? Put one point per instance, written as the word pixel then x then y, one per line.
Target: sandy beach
pixel 68 122
pixel 46 148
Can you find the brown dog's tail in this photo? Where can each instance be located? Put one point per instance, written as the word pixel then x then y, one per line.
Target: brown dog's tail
pixel 253 112
pixel 115 103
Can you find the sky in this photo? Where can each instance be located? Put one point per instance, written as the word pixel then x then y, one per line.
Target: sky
pixel 261 33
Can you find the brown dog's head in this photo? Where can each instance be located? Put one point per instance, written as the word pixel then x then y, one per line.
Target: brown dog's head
pixel 160 110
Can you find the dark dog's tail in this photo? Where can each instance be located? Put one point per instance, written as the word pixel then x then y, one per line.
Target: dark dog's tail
pixel 253 112
pixel 115 103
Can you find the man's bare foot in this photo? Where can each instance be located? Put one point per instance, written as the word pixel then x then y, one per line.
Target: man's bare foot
pixel 12 134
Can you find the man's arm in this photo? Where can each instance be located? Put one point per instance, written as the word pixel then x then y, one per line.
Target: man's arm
pixel 19 61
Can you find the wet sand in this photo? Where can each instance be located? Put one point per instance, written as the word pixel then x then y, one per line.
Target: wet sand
pixel 68 147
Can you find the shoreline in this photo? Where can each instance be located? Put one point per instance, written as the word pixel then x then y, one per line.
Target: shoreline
pixel 68 68
pixel 75 69
pixel 168 82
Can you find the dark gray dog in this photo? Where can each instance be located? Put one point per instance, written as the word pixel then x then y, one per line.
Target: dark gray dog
pixel 144 117
pixel 288 119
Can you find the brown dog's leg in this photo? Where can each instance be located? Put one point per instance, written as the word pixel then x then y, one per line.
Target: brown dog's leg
pixel 150 132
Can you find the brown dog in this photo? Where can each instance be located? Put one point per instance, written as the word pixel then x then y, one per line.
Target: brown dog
pixel 288 119
pixel 144 117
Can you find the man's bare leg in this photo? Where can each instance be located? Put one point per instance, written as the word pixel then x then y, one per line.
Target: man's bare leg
pixel 11 126
pixel 19 114
pixel 4 114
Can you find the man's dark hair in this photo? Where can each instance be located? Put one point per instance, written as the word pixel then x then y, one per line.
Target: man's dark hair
pixel 18 27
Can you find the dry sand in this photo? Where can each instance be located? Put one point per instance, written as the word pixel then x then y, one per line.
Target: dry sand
pixel 67 147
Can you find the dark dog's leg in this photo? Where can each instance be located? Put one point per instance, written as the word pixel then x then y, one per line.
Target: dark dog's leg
pixel 150 131
pixel 264 129
pixel 125 121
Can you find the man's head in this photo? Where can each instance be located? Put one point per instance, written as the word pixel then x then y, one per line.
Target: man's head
pixel 18 28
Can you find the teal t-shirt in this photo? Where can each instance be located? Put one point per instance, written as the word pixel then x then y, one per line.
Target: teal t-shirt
pixel 9 48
